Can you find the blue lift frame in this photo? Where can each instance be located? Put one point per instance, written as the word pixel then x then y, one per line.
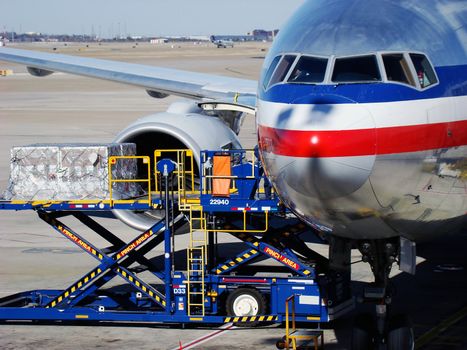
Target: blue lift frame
pixel 85 300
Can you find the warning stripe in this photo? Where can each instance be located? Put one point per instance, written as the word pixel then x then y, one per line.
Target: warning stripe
pixel 134 244
pixel 236 261
pixel 298 266
pixel 76 239
pixel 263 318
pixel 313 318
pixel 79 284
pixel 142 286
pixel 88 247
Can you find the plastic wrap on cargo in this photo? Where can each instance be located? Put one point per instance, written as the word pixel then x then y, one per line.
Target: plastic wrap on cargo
pixel 71 172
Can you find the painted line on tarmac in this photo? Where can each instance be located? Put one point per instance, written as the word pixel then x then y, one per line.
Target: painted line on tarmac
pixel 203 339
pixel 440 328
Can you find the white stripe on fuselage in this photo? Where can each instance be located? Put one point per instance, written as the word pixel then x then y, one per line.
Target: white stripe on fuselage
pixel 349 116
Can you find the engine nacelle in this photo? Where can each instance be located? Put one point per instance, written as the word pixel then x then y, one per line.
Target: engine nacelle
pixel 39 72
pixel 183 126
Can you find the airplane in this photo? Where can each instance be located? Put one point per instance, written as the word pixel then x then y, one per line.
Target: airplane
pixel 361 113
pixel 223 43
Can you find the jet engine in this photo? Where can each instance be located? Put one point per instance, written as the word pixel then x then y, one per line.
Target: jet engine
pixel 183 126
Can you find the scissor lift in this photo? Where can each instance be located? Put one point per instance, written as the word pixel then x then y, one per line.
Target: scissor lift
pixel 233 198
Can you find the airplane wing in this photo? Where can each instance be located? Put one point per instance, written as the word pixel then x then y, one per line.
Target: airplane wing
pixel 159 81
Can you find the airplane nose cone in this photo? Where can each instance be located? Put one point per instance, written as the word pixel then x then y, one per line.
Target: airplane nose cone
pixel 325 148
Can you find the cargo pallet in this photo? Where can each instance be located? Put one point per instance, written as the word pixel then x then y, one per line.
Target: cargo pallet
pixel 233 197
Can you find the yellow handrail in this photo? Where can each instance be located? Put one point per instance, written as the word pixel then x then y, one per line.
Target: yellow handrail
pixel 208 178
pixel 181 156
pixel 112 161
pixel 287 325
pixel 266 224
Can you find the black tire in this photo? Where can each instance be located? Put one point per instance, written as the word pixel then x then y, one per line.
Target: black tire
pixel 400 335
pixel 249 295
pixel 363 332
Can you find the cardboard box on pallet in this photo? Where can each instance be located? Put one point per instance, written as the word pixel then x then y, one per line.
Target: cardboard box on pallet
pixel 71 172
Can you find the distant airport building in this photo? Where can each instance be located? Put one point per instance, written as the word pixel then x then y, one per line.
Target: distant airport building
pixel 262 35
pixel 235 38
pixel 159 41
pixel 255 35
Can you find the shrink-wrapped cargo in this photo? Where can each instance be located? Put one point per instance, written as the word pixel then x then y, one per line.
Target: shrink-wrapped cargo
pixel 70 172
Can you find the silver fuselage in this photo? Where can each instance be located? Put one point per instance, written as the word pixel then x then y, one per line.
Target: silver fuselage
pixel 374 159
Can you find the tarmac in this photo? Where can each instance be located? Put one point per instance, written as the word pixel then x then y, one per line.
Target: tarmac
pixel 63 108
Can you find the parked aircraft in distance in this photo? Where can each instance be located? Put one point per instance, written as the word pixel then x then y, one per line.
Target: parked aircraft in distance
pixel 223 43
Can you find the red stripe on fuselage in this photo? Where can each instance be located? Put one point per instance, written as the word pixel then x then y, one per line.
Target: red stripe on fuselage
pixel 362 142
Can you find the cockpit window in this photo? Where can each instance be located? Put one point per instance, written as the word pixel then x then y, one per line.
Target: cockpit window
pixel 398 69
pixel 356 69
pixel 271 69
pixel 282 69
pixel 425 73
pixel 411 69
pixel 309 70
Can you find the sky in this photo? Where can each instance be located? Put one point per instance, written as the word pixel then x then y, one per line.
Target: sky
pixel 145 17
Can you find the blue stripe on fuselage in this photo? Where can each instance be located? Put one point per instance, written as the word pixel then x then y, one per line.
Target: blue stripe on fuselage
pixel 452 82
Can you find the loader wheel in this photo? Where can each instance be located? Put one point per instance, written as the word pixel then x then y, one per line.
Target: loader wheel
pixel 245 302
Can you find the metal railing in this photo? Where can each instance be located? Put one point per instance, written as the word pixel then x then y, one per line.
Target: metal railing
pixel 196 262
pixel 288 330
pixel 186 166
pixel 237 157
pixel 292 335
pixel 113 161
pixel 185 174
